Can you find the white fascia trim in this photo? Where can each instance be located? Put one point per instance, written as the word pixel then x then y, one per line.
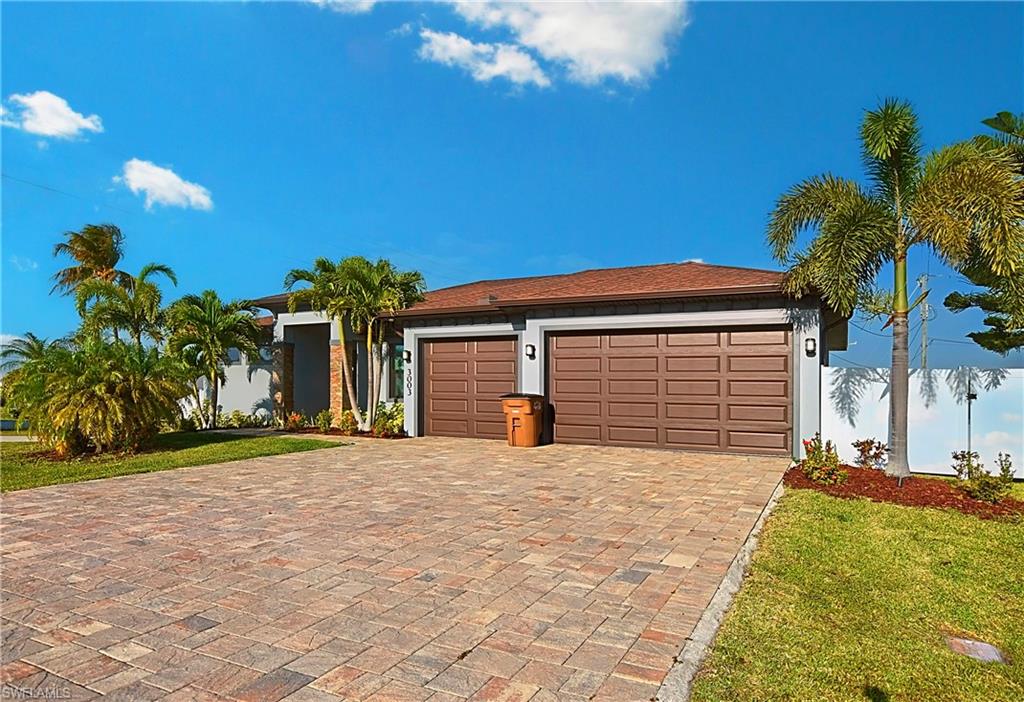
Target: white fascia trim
pixel 285 319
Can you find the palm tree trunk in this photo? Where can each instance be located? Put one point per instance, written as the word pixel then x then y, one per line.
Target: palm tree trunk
pixel 214 396
pixel 347 373
pixel 371 408
pixel 899 382
pixel 198 397
pixel 378 369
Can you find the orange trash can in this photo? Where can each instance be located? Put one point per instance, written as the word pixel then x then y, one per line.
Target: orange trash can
pixel 524 418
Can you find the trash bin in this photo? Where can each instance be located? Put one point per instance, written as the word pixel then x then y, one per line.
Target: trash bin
pixel 524 418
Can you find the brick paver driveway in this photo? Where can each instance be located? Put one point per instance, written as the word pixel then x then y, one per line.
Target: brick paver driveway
pixel 438 569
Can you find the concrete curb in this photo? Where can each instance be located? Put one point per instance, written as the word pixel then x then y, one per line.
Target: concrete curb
pixel 678 683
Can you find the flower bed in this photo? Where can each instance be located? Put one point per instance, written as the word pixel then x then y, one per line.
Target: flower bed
pixel 334 431
pixel 916 491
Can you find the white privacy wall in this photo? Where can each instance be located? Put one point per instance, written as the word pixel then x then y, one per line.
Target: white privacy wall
pixel 855 405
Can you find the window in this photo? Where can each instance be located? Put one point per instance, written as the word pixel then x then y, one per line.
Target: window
pixel 397 372
pixel 234 356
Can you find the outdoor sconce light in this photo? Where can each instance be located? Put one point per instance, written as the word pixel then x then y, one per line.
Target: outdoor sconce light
pixel 810 346
pixel 531 351
pixel 407 355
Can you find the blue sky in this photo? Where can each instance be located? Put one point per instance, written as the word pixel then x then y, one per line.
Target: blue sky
pixel 248 138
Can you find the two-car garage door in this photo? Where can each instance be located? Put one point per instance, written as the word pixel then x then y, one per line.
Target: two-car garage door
pixel 718 390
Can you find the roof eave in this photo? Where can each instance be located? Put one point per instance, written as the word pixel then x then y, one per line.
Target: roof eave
pixel 502 305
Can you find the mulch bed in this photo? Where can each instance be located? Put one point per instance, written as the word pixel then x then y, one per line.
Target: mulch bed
pixel 917 491
pixel 338 432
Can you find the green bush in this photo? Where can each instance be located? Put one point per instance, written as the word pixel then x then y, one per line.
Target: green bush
pixel 294 421
pixel 347 423
pixel 871 453
pixel 390 420
pixel 822 462
pixel 978 482
pixel 324 419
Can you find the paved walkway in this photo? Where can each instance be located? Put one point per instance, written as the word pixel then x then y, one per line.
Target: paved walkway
pixel 438 569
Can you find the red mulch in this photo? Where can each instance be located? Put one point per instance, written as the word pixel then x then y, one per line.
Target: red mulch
pixel 917 491
pixel 338 432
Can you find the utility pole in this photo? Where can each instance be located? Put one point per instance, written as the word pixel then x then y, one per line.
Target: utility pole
pixel 926 310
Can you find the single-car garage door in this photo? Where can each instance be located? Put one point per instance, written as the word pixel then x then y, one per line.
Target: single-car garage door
pixel 463 379
pixel 716 390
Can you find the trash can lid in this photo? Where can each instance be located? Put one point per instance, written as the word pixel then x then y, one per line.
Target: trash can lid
pixel 520 396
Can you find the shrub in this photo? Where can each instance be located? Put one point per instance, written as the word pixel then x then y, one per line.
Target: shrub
pixel 347 423
pixel 978 482
pixel 90 394
pixel 822 462
pixel 390 420
pixel 294 421
pixel 324 420
pixel 871 453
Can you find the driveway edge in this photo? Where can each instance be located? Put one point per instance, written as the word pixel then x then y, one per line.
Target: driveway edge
pixel 679 681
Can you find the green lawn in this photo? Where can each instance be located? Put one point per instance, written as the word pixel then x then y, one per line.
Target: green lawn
pixel 849 600
pixel 19 469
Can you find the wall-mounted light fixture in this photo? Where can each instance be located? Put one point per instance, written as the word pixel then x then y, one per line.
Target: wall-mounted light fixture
pixel 531 351
pixel 810 346
pixel 407 355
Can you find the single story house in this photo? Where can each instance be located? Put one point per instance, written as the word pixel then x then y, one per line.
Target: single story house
pixel 680 355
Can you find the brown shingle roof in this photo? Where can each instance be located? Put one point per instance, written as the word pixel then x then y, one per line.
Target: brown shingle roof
pixel 667 280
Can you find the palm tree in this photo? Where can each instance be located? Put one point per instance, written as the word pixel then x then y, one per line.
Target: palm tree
pixel 96 250
pixel 327 293
pixel 204 328
pixel 963 202
pixel 134 305
pixel 22 350
pixel 376 291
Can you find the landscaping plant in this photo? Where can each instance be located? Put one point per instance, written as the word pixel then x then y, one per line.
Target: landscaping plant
pixel 977 482
pixel 390 420
pixel 323 420
pixel 871 453
pixel 363 295
pixel 347 423
pixel 294 421
pixel 203 330
pixel 964 202
pixel 821 463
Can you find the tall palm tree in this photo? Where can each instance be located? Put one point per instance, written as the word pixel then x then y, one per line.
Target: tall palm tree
pixel 204 328
pixel 96 250
pixel 963 202
pixel 328 292
pixel 376 291
pixel 134 305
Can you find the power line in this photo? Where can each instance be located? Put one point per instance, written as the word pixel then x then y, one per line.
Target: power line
pixel 868 331
pixel 62 192
pixel 853 362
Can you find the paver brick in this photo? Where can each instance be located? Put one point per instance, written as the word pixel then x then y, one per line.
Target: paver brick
pixel 430 569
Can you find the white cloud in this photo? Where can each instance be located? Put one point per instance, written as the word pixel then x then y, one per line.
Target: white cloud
pixel 482 61
pixel 23 263
pixel 1012 417
pixel 626 41
pixel 47 115
pixel 351 7
pixel 694 260
pixel 1002 440
pixel 162 186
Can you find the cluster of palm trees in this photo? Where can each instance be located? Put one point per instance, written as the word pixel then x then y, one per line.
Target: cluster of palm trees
pixel 361 296
pixel 964 202
pixel 112 384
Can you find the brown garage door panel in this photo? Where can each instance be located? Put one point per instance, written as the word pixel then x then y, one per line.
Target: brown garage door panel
pixel 721 390
pixel 464 379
